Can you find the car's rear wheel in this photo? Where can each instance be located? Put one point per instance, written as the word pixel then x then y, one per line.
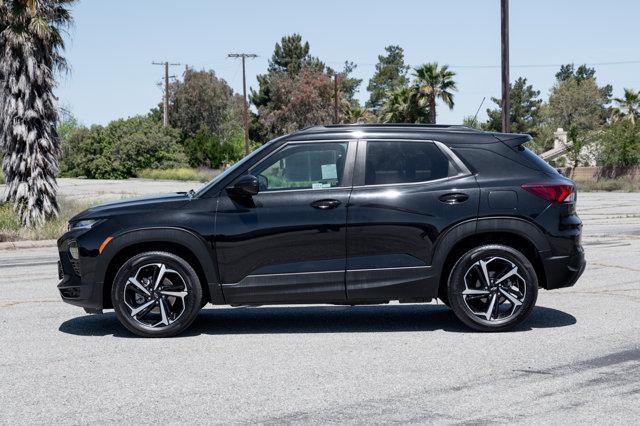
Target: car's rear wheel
pixel 156 294
pixel 492 288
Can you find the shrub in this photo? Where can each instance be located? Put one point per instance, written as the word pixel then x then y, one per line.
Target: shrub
pixel 620 144
pixel 120 149
pixel 203 149
pixel 206 149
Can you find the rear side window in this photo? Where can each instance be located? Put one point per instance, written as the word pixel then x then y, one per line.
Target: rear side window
pixel 405 162
pixel 538 162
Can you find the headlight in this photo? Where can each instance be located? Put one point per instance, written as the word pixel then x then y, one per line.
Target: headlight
pixel 84 224
pixel 73 250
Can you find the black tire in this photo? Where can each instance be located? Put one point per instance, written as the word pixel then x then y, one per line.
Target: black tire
pixel 513 297
pixel 443 295
pixel 179 308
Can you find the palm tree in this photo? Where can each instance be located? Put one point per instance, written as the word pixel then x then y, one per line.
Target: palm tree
pixel 433 83
pixel 628 106
pixel 357 114
pixel 30 52
pixel 404 106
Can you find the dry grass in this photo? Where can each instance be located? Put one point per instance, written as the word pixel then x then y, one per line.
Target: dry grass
pixel 10 229
pixel 181 173
pixel 622 184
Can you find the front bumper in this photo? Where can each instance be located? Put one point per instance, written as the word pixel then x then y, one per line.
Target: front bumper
pixel 77 285
pixel 564 271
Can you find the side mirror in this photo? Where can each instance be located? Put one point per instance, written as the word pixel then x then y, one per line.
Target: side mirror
pixel 247 185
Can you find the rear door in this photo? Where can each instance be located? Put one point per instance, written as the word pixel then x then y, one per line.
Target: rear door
pixel 405 194
pixel 288 242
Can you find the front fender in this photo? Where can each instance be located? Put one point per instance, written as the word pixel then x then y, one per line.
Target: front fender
pixel 201 250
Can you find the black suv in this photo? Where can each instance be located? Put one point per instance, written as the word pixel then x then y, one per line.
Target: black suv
pixel 345 214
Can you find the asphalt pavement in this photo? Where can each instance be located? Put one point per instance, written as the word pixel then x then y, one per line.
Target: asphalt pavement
pixel 576 360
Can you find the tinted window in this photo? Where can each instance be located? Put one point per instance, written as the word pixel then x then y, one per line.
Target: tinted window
pixel 303 166
pixel 538 162
pixel 402 162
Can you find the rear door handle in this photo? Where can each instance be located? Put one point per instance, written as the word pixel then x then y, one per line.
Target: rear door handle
pixel 454 198
pixel 325 204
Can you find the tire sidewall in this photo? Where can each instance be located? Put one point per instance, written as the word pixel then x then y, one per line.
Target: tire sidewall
pixel 193 300
pixel 456 286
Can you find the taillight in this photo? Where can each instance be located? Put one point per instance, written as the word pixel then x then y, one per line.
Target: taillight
pixel 553 192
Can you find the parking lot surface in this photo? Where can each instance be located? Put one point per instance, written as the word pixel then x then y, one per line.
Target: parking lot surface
pixel 577 358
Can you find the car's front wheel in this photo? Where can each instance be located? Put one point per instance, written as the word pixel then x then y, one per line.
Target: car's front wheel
pixel 156 294
pixel 492 288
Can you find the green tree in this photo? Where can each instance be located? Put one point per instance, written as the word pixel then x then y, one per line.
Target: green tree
pixel 31 47
pixel 628 106
pixel 202 99
pixel 621 144
pixel 471 121
pixel 390 76
pixel 404 106
pixel 298 101
pixel 290 56
pixel 525 112
pixel 348 86
pixel 434 82
pixel 580 107
pixel 582 73
pixel 357 114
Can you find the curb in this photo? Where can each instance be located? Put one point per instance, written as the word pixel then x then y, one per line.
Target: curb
pixel 16 245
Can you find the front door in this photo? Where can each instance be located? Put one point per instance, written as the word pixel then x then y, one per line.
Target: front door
pixel 405 193
pixel 287 244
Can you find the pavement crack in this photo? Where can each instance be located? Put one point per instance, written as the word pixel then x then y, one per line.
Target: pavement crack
pixel 9 303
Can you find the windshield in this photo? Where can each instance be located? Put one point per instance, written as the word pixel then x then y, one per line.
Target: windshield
pixel 230 170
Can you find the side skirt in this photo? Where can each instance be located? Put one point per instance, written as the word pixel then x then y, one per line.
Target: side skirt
pixel 414 282
pixel 300 287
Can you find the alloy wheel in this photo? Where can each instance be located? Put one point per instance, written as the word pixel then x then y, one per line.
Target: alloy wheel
pixel 155 295
pixel 494 289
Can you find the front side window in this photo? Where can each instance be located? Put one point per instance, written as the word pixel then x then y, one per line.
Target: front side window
pixel 405 162
pixel 303 166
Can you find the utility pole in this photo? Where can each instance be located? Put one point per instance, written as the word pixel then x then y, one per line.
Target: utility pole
pixel 244 94
pixel 504 30
pixel 335 98
pixel 165 103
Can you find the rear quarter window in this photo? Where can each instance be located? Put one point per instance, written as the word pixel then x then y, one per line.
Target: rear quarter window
pixel 537 162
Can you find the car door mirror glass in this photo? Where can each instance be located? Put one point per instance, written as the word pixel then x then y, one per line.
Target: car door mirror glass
pixel 247 185
pixel 263 182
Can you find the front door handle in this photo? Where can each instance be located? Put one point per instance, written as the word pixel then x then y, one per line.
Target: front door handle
pixel 325 204
pixel 454 198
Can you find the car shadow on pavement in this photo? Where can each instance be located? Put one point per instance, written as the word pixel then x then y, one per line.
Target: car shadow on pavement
pixel 317 319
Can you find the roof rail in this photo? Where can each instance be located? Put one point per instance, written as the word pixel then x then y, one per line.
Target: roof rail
pixel 389 125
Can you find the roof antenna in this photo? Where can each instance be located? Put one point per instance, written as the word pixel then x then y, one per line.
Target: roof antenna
pixel 476 116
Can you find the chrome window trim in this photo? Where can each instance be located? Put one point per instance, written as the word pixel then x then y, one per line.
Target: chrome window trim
pixel 463 171
pixel 294 142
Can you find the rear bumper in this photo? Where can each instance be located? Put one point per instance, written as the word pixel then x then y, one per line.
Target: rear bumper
pixel 564 271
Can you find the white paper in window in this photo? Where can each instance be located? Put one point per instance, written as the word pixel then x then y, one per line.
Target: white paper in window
pixel 329 171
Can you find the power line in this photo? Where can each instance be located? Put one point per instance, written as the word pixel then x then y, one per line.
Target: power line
pixel 165 103
pixel 629 62
pixel 243 56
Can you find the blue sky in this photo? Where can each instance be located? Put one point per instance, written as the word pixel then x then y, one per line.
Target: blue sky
pixel 113 43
